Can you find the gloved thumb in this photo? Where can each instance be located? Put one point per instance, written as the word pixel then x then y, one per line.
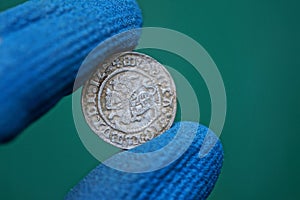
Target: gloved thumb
pixel 191 176
pixel 42 45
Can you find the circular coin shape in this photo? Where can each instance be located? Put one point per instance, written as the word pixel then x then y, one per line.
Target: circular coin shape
pixel 129 100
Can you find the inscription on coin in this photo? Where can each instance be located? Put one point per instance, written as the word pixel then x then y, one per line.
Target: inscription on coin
pixel 129 100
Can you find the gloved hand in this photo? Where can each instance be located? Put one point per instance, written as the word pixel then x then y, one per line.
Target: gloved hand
pixel 42 44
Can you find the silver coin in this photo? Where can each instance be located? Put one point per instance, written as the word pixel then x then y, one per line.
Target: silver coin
pixel 129 100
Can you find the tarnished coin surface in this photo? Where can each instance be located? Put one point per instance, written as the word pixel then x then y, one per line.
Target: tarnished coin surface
pixel 129 100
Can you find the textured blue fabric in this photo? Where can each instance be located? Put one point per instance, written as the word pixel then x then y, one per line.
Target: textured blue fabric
pixel 189 177
pixel 42 44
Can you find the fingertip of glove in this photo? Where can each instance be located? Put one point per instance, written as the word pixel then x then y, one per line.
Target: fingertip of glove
pixel 45 42
pixel 195 172
pixel 197 138
pixel 189 177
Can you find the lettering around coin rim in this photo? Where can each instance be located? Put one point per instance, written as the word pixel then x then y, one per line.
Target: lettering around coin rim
pixel 129 100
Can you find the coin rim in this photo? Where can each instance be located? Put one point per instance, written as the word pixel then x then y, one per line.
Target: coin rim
pixel 104 65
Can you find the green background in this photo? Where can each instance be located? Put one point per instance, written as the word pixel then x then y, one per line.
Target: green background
pixel 256 46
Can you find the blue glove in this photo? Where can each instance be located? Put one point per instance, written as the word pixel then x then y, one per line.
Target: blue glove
pixel 42 45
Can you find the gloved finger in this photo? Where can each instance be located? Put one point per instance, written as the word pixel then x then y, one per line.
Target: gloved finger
pixel 42 45
pixel 189 177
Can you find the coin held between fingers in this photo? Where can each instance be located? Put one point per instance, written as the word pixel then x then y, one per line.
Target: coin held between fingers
pixel 129 100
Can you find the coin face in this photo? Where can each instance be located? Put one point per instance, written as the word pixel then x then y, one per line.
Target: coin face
pixel 129 100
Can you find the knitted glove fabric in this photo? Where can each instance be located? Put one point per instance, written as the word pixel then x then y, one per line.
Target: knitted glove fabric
pixel 42 45
pixel 189 177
